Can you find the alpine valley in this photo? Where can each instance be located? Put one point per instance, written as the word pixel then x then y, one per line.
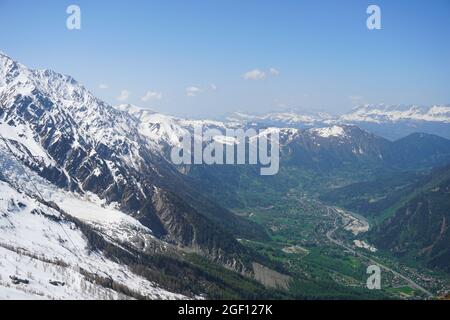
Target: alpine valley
pixel 91 207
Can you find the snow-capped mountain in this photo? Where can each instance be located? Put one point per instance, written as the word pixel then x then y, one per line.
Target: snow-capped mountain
pixel 334 146
pixel 391 122
pixel 395 122
pixel 164 131
pixel 75 141
pixel 383 114
pixel 283 119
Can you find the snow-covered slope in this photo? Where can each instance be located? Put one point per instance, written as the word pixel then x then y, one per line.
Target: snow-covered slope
pixel 44 256
pixel 326 132
pixel 38 243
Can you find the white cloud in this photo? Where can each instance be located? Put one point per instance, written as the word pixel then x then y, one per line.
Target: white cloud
pixel 255 74
pixel 274 72
pixel 258 74
pixel 124 95
pixel 103 86
pixel 152 95
pixel 213 87
pixel 193 91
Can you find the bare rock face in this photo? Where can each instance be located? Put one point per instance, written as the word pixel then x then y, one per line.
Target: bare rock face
pixel 270 278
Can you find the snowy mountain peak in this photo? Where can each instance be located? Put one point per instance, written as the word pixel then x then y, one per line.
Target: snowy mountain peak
pixel 9 69
pixel 133 109
pixel 327 132
pixel 62 102
pixel 305 118
pixel 5 59
pixel 395 113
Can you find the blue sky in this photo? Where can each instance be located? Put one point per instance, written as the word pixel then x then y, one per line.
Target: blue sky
pixel 315 55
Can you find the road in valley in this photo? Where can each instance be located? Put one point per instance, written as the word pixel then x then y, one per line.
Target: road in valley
pixel 330 234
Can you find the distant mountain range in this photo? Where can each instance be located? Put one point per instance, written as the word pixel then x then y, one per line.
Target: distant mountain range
pixel 391 122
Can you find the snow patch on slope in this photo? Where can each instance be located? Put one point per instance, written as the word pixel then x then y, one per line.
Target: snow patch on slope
pixel 24 135
pixel 327 132
pixel 117 226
